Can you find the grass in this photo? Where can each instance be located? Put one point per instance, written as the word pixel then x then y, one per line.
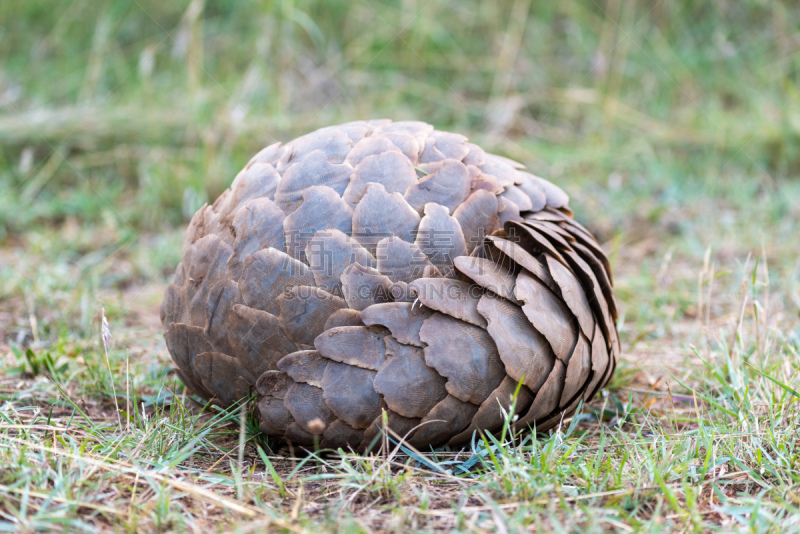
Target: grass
pixel 674 126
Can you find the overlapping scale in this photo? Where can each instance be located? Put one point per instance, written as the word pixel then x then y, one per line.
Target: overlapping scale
pixel 380 215
pixel 382 279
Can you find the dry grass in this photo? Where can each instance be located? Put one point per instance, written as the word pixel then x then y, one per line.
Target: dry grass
pixel 690 434
pixel 673 126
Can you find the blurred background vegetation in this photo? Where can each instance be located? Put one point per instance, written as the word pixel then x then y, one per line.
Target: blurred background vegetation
pixel 673 125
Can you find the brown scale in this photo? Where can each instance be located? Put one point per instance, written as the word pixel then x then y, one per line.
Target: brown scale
pixel 383 276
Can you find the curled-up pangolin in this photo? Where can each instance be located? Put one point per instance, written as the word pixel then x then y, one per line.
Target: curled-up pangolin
pixel 385 271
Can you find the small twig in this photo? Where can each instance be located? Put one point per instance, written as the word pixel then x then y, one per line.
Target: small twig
pixel 105 333
pixel 133 471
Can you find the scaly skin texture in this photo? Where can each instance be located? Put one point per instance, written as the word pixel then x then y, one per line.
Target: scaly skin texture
pixel 385 267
